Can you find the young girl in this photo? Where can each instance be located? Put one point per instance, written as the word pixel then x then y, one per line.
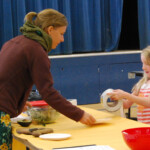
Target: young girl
pixel 140 92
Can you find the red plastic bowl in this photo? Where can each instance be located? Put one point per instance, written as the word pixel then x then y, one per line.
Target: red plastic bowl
pixel 137 138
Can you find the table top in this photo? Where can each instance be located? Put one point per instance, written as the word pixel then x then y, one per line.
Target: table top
pixel 102 134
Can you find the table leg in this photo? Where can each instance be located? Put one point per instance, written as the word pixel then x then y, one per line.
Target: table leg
pixel 129 115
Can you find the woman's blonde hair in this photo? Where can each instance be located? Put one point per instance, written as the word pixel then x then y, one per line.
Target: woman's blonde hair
pixel 146 53
pixel 46 18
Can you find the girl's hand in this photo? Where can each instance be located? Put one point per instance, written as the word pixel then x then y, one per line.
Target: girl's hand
pixel 26 106
pixel 117 94
pixel 87 119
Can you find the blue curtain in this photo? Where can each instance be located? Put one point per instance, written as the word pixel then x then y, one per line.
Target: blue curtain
pixel 144 22
pixel 94 25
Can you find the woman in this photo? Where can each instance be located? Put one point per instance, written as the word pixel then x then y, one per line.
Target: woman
pixel 24 62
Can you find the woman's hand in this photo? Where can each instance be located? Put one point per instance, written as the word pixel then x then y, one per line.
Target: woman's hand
pixel 87 119
pixel 26 106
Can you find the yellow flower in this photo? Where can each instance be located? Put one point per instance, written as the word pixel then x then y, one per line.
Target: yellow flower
pixel 5 119
pixel 4 146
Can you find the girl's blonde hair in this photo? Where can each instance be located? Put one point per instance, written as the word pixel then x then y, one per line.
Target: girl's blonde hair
pixel 146 53
pixel 46 18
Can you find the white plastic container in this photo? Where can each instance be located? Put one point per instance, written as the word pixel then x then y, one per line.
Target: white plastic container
pixel 42 113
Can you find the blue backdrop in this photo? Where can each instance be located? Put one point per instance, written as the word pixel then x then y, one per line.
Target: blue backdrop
pixel 94 25
pixel 144 22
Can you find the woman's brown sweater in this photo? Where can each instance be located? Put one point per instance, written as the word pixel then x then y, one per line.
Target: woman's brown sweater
pixel 24 62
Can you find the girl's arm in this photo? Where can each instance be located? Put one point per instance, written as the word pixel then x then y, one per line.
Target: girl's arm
pixel 133 98
pixel 127 103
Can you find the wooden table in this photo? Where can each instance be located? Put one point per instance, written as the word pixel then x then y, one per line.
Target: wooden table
pixel 102 134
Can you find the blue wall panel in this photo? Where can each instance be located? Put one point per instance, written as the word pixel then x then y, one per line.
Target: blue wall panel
pixel 85 77
pixel 80 82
